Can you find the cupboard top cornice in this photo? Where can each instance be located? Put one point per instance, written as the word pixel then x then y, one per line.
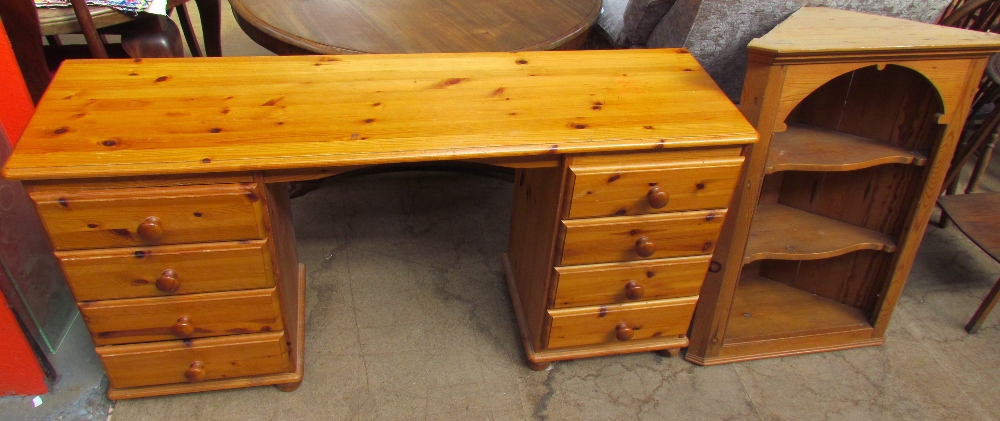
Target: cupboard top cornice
pixel 107 118
pixel 819 34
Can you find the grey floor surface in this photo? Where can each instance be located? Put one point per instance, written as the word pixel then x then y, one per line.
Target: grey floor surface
pixel 408 318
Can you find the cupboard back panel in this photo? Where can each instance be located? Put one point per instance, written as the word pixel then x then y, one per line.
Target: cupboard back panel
pixel 854 279
pixel 860 103
pixel 877 198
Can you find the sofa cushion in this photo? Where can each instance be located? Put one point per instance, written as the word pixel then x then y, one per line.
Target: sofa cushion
pixel 641 16
pixel 610 24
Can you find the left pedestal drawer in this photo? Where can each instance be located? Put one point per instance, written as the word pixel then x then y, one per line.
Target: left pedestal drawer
pixel 133 272
pixel 188 316
pixel 147 216
pixel 195 360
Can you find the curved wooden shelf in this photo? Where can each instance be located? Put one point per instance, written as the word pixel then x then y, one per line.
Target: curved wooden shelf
pixel 781 232
pixel 766 310
pixel 807 148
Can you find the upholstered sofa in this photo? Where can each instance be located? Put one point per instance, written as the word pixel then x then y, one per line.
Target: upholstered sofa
pixel 717 31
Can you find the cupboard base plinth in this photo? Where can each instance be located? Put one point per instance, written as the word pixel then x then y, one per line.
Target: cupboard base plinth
pixel 782 348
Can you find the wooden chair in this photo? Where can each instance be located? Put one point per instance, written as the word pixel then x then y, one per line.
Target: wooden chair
pixel 982 126
pixel 142 36
pixel 980 131
pixel 975 215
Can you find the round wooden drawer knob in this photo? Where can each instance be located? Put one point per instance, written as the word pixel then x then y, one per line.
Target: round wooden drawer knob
pixel 183 328
pixel 623 332
pixel 168 282
pixel 657 198
pixel 634 291
pixel 151 229
pixel 644 247
pixel 196 372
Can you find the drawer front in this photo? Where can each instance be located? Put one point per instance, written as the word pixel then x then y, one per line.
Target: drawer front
pixel 195 360
pixel 109 274
pixel 683 186
pixel 607 324
pixel 629 282
pixel 605 240
pixel 151 216
pixel 189 316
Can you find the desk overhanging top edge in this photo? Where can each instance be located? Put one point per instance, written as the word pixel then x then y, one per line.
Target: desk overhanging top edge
pixel 821 30
pixel 107 118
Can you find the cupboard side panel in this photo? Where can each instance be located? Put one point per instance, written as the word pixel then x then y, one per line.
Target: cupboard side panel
pixel 762 90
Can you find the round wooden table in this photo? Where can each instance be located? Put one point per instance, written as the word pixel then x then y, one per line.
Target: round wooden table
pixel 415 26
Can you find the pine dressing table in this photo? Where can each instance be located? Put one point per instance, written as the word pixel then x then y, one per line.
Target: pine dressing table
pixel 162 184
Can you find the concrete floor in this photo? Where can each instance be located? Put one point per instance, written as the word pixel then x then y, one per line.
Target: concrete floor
pixel 409 318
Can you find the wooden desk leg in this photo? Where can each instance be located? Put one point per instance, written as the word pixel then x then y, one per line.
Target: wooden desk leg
pixel 984 309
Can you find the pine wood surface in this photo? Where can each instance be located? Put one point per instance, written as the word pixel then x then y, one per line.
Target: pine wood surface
pixel 162 363
pixel 791 346
pixel 163 116
pixel 106 274
pixel 947 79
pixel 604 240
pixel 211 314
pixel 138 181
pixel 907 86
pixel 111 218
pixel 709 321
pixel 805 148
pixel 596 324
pixel 538 195
pixel 765 309
pixel 291 375
pixel 825 31
pixel 353 26
pixel 606 283
pixel 782 232
pixel 635 160
pixel 707 184
pixel 288 273
pixel 540 359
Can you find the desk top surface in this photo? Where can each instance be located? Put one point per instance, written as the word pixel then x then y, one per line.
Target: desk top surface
pixel 107 118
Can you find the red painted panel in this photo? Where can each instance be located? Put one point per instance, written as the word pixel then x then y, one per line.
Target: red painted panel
pixel 15 103
pixel 20 373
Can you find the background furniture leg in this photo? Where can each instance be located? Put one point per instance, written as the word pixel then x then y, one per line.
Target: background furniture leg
pixel 189 34
pixel 984 309
pixel 211 24
pixel 984 161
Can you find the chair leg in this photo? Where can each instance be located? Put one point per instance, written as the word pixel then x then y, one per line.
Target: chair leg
pixel 188 28
pixel 210 12
pixel 983 162
pixel 943 219
pixel 984 309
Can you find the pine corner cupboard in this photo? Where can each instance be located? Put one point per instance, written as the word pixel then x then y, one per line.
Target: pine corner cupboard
pixel 858 117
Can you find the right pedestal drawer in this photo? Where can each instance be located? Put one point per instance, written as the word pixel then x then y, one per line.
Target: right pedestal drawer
pixel 636 238
pixel 608 324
